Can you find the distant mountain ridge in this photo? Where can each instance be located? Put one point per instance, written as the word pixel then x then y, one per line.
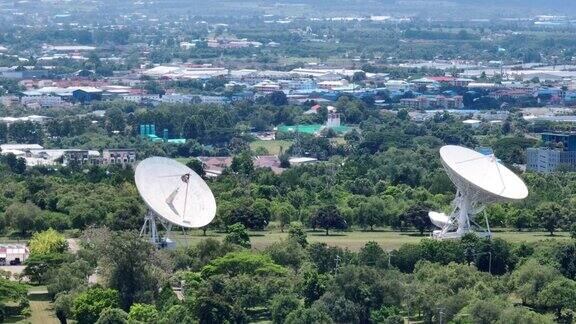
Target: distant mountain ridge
pixel 459 9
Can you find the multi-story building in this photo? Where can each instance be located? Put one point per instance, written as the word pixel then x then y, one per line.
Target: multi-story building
pixel 267 87
pixel 548 160
pixel 80 157
pixel 118 156
pixel 560 150
pixel 139 99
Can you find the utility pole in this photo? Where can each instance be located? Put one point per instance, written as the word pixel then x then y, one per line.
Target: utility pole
pixel 440 315
pixel 337 259
pixel 297 147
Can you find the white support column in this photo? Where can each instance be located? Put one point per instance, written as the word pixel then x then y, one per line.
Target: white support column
pixel 149 228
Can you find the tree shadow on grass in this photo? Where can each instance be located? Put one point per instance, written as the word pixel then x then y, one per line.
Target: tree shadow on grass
pixel 320 234
pixel 39 297
pixel 412 234
pixel 556 235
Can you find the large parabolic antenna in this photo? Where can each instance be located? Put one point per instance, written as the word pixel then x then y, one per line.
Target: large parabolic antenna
pixel 480 180
pixel 175 195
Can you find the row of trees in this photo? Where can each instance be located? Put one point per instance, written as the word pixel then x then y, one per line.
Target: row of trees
pixel 293 281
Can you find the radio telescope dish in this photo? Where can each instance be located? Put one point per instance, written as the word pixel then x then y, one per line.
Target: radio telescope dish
pixel 480 180
pixel 174 194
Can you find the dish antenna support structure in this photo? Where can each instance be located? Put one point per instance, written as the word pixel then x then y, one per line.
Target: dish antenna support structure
pixel 175 195
pixel 480 180
pixel 150 229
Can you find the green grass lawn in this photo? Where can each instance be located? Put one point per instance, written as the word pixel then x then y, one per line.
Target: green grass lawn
pixel 357 239
pixel 273 147
pixel 40 308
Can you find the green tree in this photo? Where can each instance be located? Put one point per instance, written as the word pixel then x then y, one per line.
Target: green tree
pixel 178 314
pixel 328 217
pixel 237 234
pixel 252 213
pixel 243 163
pixel 531 278
pixel 63 307
pixel 558 295
pixel 214 309
pixel 417 216
pixel 38 266
pixel 115 121
pixel 549 215
pixel 22 216
pixel 113 316
pixel 296 232
pixel 287 253
pixel 359 76
pixel 283 213
pixel 278 98
pixel 340 309
pixel 13 293
pixel 368 288
pixel 573 231
pixel 88 305
pixel 47 242
pixel 68 277
pixel 311 284
pixel 196 166
pixel 243 262
pixel 307 316
pixel 386 315
pixel 370 214
pixel 485 311
pixel 281 306
pixel 166 298
pixel 522 315
pixel 373 255
pixel 127 264
pixel 143 313
pixel 153 87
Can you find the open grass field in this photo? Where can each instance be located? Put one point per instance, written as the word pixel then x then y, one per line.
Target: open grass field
pixel 389 240
pixel 273 147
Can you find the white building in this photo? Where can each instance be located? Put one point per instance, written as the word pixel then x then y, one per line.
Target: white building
pixel 176 98
pixel 44 101
pixel 20 147
pixel 333 120
pixel 218 100
pixel 13 254
pixel 187 45
pixel 140 98
pixel 397 86
pixel 176 72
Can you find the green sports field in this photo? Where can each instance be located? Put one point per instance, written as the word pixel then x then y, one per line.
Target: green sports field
pixel 272 147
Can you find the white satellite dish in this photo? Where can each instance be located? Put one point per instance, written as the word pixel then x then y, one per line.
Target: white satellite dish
pixel 438 219
pixel 480 180
pixel 174 194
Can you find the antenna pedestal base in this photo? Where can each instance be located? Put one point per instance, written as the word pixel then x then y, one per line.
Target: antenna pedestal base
pixel 150 229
